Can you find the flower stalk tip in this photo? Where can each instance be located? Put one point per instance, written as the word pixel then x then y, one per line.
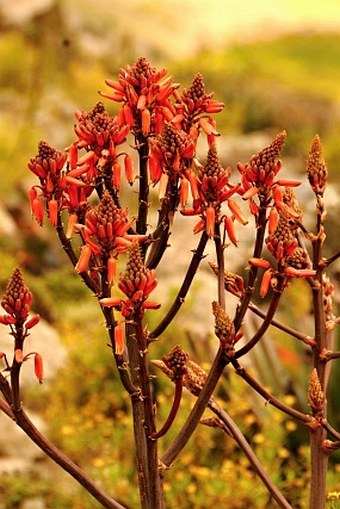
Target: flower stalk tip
pixel 316 397
pixel 224 328
pixel 316 167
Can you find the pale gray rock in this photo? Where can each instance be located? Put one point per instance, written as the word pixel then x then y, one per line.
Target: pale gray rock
pixel 8 228
pixel 17 451
pixel 43 339
pixel 19 12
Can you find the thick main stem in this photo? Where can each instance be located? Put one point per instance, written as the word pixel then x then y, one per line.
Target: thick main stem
pixel 154 481
pixel 138 417
pixel 143 417
pixel 319 458
pixel 143 205
pixel 180 298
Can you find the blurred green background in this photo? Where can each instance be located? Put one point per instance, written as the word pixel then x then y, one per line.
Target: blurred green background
pixel 276 66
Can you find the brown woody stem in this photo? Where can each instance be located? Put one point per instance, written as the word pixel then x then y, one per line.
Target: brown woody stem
pixel 179 300
pixel 154 482
pixel 285 328
pixel 232 429
pixel 5 388
pixel 143 205
pixel 138 416
pixel 331 355
pixel 174 409
pixel 197 411
pixel 260 233
pixel 67 245
pixel 277 293
pixel 333 432
pixel 213 377
pixel 162 232
pixel 6 409
pixel 319 458
pixel 292 412
pixel 220 266
pixel 331 259
pixel 110 326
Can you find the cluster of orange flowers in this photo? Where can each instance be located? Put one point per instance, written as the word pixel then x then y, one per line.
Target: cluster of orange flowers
pixel 167 124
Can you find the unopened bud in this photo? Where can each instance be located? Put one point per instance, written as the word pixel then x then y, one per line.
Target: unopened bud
pixel 176 361
pixel 316 167
pixel 224 328
pixel 38 367
pixel 316 397
pixel 32 322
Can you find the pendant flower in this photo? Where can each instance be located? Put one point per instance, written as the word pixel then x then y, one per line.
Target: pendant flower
pixel 210 189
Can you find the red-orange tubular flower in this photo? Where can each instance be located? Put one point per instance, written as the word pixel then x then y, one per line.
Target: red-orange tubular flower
pixel 171 153
pixel 145 96
pixel 49 167
pixel 213 189
pixel 258 176
pixel 282 242
pixel 100 135
pixel 38 368
pixel 105 234
pixel 194 107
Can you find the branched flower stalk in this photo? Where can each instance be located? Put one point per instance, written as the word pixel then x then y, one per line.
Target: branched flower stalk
pixel 150 147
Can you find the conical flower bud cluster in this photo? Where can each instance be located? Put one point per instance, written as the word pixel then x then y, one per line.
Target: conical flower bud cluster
pixel 48 165
pixel 316 397
pixel 176 361
pixel 105 234
pixel 316 167
pixel 137 282
pixel 282 241
pixel 224 328
pixel 17 298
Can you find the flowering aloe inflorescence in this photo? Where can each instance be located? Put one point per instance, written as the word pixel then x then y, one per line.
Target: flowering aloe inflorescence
pixel 16 301
pixel 153 140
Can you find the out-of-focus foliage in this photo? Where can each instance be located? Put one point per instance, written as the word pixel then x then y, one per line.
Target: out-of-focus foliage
pixel 15 489
pixel 290 82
